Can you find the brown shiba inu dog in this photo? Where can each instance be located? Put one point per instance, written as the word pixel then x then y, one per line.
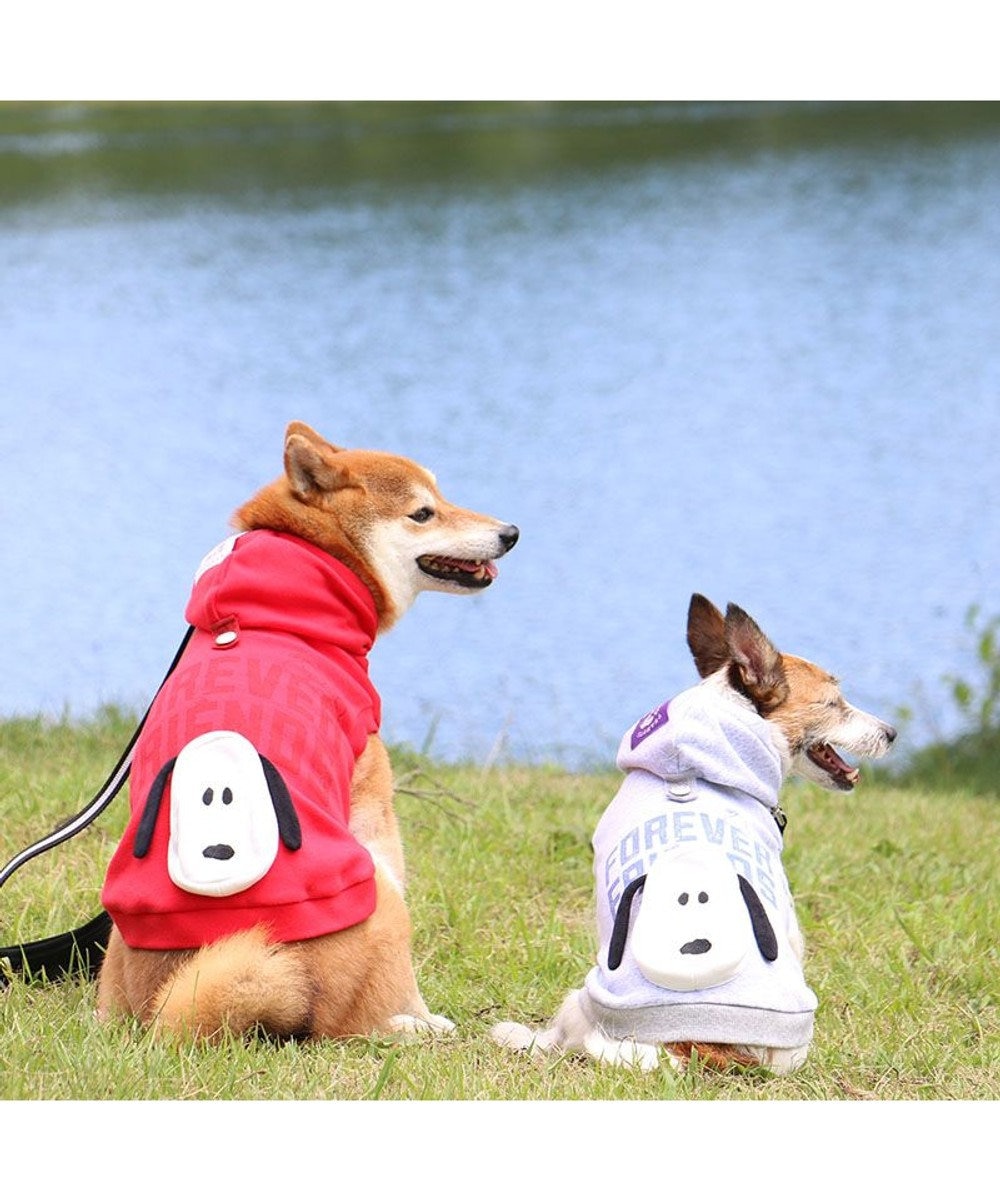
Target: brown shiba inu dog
pixel 699 943
pixel 259 884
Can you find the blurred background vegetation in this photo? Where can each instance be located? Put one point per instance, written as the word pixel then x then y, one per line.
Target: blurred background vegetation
pixel 230 147
pixel 971 760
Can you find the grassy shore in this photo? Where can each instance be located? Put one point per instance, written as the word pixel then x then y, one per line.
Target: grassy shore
pixel 897 889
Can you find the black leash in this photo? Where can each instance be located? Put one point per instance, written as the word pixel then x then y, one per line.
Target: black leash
pixel 81 950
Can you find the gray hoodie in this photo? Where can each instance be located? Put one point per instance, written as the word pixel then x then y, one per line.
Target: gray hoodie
pixel 687 857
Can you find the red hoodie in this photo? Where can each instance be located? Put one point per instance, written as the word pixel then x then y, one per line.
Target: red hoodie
pixel 278 658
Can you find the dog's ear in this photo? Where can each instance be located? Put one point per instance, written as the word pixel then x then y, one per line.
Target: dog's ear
pixel 706 636
pixel 757 667
pixel 306 431
pixel 289 829
pixel 763 930
pixel 311 463
pixel 619 935
pixel 151 810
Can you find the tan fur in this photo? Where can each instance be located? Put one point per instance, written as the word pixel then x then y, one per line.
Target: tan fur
pixel 358 506
pixel 335 498
pixel 802 700
pixel 812 706
pixel 715 1057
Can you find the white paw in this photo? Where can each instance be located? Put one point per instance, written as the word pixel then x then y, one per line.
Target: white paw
pixel 621 1052
pixel 780 1061
pixel 513 1036
pixel 410 1025
pixel 678 1064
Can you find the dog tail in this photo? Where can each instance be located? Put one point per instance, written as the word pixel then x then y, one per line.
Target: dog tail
pixel 239 985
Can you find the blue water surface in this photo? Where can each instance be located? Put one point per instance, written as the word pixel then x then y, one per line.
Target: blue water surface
pixel 772 376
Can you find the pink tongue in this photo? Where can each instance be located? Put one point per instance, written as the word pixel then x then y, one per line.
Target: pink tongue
pixel 469 567
pixel 835 758
pixel 831 758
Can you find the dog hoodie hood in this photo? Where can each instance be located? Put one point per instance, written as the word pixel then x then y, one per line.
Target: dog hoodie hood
pixel 697 804
pixel 703 734
pixel 272 689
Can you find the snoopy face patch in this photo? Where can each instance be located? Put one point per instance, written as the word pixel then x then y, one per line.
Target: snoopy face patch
pixel 698 922
pixel 229 810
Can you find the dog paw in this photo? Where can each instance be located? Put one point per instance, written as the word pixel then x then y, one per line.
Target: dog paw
pixel 777 1060
pixel 412 1026
pixel 513 1036
pixel 621 1053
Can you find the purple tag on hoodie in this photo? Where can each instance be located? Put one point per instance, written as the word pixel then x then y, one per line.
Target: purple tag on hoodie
pixel 649 724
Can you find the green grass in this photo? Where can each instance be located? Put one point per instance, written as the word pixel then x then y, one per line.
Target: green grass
pixel 897 889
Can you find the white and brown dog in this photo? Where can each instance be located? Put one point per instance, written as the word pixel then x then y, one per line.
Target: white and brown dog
pixel 700 948
pixel 259 883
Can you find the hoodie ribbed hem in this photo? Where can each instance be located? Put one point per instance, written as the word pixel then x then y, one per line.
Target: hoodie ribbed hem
pixel 188 929
pixel 719 1023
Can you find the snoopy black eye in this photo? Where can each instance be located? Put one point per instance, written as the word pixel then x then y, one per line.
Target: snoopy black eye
pixel 703 897
pixel 422 515
pixel 227 795
pixel 208 796
pixel 683 898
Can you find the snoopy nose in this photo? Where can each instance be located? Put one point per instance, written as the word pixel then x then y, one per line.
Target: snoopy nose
pixel 508 537
pixel 890 734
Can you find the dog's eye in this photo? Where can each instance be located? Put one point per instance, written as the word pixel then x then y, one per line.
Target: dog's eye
pixel 227 795
pixel 422 515
pixel 703 897
pixel 683 898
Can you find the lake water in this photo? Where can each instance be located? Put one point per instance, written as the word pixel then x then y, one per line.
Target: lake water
pixel 747 350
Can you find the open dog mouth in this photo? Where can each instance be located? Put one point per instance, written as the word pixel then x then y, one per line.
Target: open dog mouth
pixel 466 572
pixel 844 776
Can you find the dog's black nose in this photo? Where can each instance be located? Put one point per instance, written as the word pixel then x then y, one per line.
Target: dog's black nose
pixel 508 537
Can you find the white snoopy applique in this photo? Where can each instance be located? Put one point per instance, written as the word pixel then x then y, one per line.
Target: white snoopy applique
pixel 229 810
pixel 698 922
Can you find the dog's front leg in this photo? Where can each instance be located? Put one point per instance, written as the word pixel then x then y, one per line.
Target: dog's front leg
pixel 373 822
pixel 373 817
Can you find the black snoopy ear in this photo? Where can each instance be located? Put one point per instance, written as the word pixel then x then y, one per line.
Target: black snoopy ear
pixel 619 934
pixel 288 822
pixel 763 930
pixel 151 810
